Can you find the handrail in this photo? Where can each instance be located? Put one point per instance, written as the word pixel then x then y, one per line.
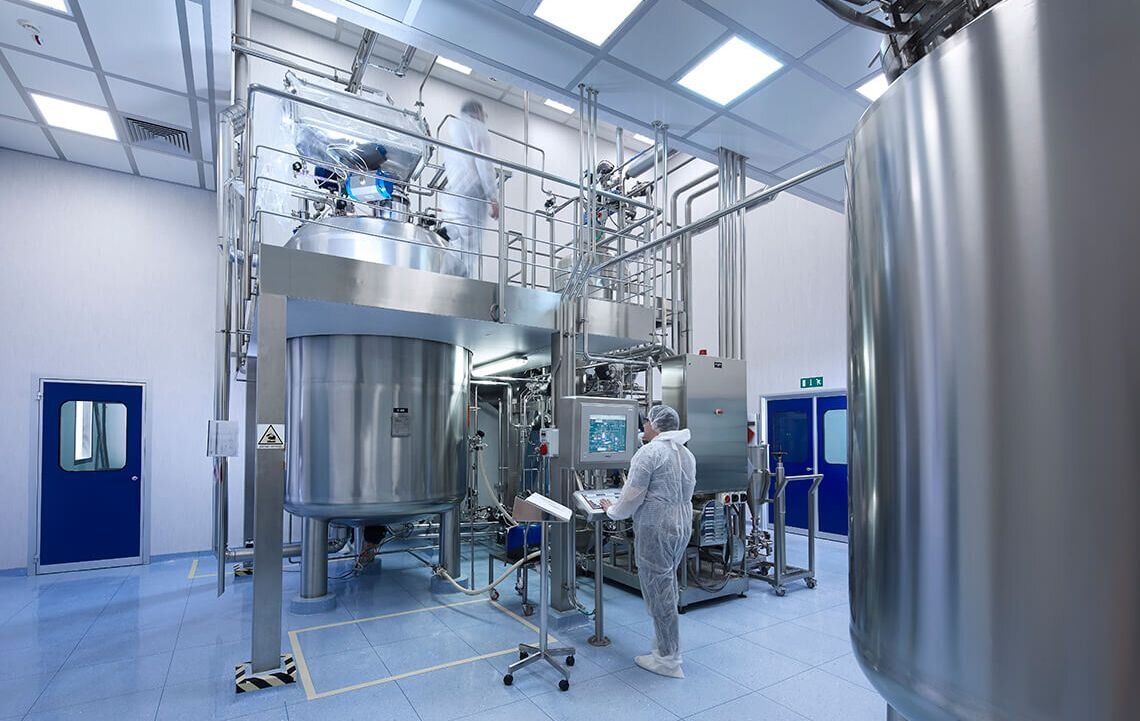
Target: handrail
pixel 282 95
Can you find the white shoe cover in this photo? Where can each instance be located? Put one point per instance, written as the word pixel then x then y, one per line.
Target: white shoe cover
pixel 660 665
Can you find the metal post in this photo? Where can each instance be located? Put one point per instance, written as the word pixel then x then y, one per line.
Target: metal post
pixel 544 586
pixel 780 527
pixel 504 267
pixel 360 61
pixel 449 557
pixel 314 558
pixel 269 489
pixel 599 637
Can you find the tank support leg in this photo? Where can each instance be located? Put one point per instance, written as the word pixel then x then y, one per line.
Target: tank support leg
pixel 449 557
pixel 314 596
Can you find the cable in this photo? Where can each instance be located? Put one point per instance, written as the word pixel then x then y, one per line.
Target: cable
pixel 498 504
pixel 439 571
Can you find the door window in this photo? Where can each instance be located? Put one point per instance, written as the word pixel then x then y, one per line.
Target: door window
pixel 835 436
pixel 92 436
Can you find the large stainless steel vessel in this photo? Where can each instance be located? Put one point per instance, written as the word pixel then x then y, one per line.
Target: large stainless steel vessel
pixel 378 240
pixel 995 371
pixel 376 427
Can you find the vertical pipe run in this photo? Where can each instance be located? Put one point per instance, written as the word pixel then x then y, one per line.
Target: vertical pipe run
pixel 314 558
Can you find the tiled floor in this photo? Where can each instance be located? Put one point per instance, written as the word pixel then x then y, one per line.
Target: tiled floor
pixel 151 643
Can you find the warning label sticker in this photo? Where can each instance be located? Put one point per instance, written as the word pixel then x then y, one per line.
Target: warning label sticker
pixel 270 436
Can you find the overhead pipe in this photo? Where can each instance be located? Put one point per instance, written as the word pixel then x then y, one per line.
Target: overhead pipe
pixel 748 203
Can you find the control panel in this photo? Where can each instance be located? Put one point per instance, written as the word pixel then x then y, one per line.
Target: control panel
pixel 589 503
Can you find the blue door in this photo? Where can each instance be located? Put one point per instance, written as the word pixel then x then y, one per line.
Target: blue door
pixel 791 424
pixel 831 439
pixel 90 475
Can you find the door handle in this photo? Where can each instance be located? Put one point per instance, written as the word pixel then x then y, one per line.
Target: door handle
pixel 134 478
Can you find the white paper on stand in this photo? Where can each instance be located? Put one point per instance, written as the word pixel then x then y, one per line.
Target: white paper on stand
pixel 544 504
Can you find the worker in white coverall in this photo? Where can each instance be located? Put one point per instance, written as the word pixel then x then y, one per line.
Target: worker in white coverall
pixel 471 188
pixel 658 494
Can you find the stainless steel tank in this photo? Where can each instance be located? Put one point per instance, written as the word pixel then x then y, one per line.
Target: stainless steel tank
pixel 377 427
pixel 995 371
pixel 378 240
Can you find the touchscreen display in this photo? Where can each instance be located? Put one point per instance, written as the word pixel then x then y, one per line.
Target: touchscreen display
pixel 607 434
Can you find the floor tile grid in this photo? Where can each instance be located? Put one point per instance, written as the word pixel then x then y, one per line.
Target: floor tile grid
pixel 47 587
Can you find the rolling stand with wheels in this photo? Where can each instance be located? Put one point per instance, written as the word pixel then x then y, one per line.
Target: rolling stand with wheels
pixel 781 572
pixel 551 512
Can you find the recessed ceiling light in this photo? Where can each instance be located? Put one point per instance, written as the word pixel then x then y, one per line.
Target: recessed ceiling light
pixel 591 20
pixel 874 87
pixel 728 71
pixel 643 138
pixel 58 5
pixel 315 12
pixel 457 67
pixel 558 106
pixel 73 116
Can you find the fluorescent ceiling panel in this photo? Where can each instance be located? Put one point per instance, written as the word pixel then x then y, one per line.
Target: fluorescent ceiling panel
pixel 315 12
pixel 730 70
pixel 457 67
pixel 73 116
pixel 558 106
pixel 592 20
pixel 874 87
pixel 57 5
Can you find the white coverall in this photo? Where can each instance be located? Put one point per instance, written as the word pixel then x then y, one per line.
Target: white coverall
pixel 472 181
pixel 658 494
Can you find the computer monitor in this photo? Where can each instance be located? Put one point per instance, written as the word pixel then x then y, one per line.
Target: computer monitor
pixel 606 431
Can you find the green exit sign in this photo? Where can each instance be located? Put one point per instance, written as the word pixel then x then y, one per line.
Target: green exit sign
pixel 813 382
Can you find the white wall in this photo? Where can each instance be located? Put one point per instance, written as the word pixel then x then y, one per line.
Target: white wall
pixel 107 276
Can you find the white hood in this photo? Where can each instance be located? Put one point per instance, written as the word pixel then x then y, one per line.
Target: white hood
pixel 677 438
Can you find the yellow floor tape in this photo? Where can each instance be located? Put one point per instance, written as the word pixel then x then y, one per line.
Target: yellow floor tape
pixel 307 681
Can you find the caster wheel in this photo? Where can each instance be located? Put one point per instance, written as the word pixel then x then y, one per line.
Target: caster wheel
pixel 528 609
pixel 743 595
pixel 522 655
pixel 681 611
pixel 811 583
pixel 494 594
pixel 508 680
pixel 781 592
pixel 563 685
pixel 569 660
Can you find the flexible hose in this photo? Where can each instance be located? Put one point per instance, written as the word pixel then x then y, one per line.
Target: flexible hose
pixel 479 591
pixel 498 504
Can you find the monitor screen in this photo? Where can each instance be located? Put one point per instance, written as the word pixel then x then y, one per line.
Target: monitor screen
pixel 607 433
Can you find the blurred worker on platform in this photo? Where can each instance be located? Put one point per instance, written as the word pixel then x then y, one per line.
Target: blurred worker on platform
pixel 658 495
pixel 471 188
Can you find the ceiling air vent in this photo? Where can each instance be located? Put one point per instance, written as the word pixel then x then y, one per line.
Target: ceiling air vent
pixel 158 137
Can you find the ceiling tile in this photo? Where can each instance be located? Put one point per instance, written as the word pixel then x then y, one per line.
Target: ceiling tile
pixel 849 57
pixel 794 26
pixel 66 81
pixel 502 38
pixel 762 150
pixel 667 38
pixel 138 39
pixel 89 150
pixel 166 167
pixel 644 100
pixel 27 137
pixel 149 103
pixel 801 109
pixel 11 102
pixel 831 184
pixel 60 36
